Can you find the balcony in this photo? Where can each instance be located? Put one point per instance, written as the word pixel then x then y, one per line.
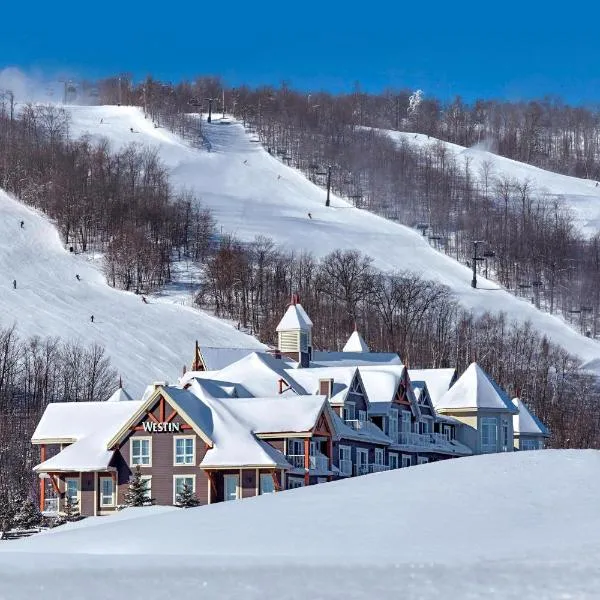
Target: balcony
pixel 361 469
pixel 318 462
pixel 345 467
pixel 378 468
pixel 356 424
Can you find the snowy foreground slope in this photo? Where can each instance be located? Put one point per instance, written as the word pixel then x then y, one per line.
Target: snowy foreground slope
pixel 252 193
pixel 145 342
pixel 581 196
pixel 522 525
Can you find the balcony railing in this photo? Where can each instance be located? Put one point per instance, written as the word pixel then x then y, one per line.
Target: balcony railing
pixel 356 424
pixel 374 468
pixel 319 462
pixel 345 467
pixel 361 469
pixel 316 463
pixel 407 438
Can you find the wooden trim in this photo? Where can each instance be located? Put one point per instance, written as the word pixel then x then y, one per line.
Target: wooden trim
pixel 151 417
pixel 276 483
pixel 171 416
pixel 161 409
pixel 43 479
pixel 54 483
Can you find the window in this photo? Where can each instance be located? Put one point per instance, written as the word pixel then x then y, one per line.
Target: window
pixel 141 451
pixel 107 491
pixel 362 461
pixel 379 456
pixel 447 430
pixel 405 423
pixel 50 497
pixel 489 434
pixel 72 490
pixel 529 445
pixel 424 426
pixel 267 485
pixel 184 449
pixel 147 479
pixel 393 424
pixel 348 412
pixel 422 460
pixel 294 482
pixel 406 460
pixel 393 460
pixel 362 415
pixel 345 460
pixel 178 482
pixel 230 486
pixel 296 447
pixel 505 440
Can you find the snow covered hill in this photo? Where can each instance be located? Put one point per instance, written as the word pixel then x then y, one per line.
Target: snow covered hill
pixel 252 193
pixel 145 342
pixel 522 525
pixel 582 196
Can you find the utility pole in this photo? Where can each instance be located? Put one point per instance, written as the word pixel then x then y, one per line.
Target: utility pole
pixel 210 101
pixel 120 95
pixel 223 102
pixel 327 202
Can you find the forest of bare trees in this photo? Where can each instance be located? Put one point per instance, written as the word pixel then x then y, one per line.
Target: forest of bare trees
pixel 33 373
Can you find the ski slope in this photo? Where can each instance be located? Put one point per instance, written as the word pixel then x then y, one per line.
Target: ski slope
pixel 507 526
pixel 581 196
pixel 251 193
pixel 145 342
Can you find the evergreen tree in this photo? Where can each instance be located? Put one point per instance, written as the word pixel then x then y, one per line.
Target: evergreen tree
pixel 28 515
pixel 187 498
pixel 137 492
pixel 7 514
pixel 71 509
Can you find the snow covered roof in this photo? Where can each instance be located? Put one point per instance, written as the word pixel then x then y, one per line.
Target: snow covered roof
pixel 309 379
pixel 295 318
pixel 525 422
pixel 215 359
pixel 381 384
pixel 438 381
pixel 72 421
pixel 292 414
pixel 120 395
pixel 475 389
pixel 255 375
pixel 353 359
pixel 356 343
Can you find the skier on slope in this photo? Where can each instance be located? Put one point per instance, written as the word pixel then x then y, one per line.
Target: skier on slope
pixel 77 277
pixel 144 300
pixel 14 284
pixel 22 224
pixel 92 318
pixel 309 216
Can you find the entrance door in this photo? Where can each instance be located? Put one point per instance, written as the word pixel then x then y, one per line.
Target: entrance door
pixel 230 486
pixel 362 461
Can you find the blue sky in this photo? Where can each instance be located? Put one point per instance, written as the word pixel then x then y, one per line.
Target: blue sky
pixel 511 50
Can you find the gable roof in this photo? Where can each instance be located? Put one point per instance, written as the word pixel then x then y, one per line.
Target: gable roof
pixel 381 383
pixel 525 422
pixel 356 343
pixel 342 380
pixel 475 389
pixel 438 381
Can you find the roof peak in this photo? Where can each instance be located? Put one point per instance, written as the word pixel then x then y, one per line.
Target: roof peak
pixel 356 343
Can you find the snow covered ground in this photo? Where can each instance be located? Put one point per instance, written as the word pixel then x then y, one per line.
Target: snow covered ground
pixel 582 196
pixel 251 193
pixel 145 342
pixel 507 526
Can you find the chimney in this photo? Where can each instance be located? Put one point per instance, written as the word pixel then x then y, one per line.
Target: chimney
pixel 295 299
pixel 158 384
pixel 325 387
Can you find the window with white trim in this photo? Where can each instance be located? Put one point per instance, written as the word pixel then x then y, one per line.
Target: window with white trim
pixel 406 460
pixel 345 460
pixel 489 434
pixel 505 438
pixel 267 485
pixel 348 411
pixel 107 491
pixel 184 450
pixel 362 415
pixel 405 421
pixel 295 447
pixel 141 451
pixel 72 489
pixel 529 444
pixel 179 481
pixel 231 484
pixel 379 456
pixel 393 460
pixel 393 424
